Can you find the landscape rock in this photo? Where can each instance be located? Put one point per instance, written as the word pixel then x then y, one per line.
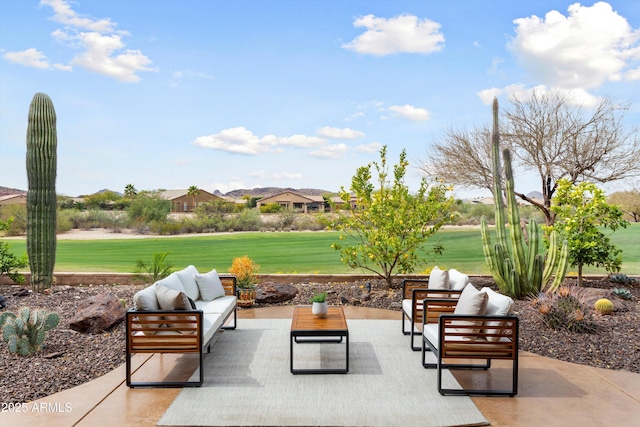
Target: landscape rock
pixel 97 314
pixel 271 292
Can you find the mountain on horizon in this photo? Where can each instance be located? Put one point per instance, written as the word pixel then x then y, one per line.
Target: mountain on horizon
pixel 270 191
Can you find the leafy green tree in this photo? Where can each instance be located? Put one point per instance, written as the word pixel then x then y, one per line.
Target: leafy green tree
pixel 388 225
pixel 628 201
pixel 582 213
pixel 103 200
pixel 9 263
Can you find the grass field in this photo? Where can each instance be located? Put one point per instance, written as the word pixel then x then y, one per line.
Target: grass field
pixel 286 253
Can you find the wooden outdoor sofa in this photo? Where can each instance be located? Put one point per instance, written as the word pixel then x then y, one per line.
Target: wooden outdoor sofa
pixel 180 314
pixel 460 325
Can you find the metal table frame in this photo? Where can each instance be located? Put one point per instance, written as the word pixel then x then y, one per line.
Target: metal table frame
pixel 332 329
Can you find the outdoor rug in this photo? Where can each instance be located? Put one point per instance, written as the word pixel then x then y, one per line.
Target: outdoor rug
pixel 248 382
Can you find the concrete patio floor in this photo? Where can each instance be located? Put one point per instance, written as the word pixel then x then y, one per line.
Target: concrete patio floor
pixel 551 392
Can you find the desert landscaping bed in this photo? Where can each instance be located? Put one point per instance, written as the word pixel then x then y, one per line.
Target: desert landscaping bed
pixel 70 358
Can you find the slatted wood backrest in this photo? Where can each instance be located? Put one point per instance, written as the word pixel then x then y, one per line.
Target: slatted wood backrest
pixel 145 333
pixel 466 337
pixel 229 284
pixel 408 285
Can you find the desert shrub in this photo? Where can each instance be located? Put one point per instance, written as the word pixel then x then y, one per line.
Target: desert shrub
pixel 245 220
pixel 18 224
pixel 565 309
pixel 271 208
pixel 166 227
pixel 148 208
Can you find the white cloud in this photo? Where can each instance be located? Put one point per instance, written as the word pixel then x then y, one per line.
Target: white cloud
pixel 240 140
pixel 354 116
pixel 103 50
pixel 237 140
pixel 404 33
pixel 64 15
pixel 100 56
pixel 336 133
pixel 374 147
pixel 577 96
pixel 579 51
pixel 410 112
pixel 333 151
pixel 29 58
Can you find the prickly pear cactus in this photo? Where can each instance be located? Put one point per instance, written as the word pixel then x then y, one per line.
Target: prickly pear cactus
pixel 25 333
pixel 42 144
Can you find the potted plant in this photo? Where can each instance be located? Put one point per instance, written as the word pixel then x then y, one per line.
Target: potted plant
pixel 245 270
pixel 319 307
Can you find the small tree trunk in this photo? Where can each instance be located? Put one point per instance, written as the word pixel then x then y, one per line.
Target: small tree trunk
pixel 579 274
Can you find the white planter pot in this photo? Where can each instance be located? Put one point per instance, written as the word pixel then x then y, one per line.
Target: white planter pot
pixel 319 310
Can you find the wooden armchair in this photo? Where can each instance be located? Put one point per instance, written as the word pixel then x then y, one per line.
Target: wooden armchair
pixel 458 339
pixel 414 292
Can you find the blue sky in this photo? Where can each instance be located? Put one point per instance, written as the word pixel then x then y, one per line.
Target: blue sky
pixel 241 94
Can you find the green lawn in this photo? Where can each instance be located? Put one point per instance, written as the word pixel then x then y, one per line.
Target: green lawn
pixel 295 252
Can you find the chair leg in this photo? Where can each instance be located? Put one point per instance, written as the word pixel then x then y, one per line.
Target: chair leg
pixel 424 354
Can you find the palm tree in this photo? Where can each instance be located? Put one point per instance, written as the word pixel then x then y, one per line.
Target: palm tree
pixel 193 191
pixel 130 191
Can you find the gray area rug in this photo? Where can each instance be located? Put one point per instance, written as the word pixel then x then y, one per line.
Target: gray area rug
pixel 248 382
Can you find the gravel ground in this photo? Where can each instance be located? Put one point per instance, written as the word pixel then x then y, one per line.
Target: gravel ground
pixel 69 359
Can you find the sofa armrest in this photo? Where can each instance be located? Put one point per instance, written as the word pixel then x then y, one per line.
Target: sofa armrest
pixel 229 283
pixel 169 331
pixel 435 302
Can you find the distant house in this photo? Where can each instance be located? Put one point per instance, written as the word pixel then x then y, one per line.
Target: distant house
pixel 181 201
pixel 294 202
pixel 13 199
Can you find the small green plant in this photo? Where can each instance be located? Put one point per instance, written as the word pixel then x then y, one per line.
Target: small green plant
pixel 564 309
pixel 158 269
pixel 603 306
pixel 25 332
pixel 622 293
pixel 622 279
pixel 321 297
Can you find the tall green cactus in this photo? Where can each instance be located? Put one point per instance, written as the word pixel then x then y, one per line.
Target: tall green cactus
pixel 518 268
pixel 42 143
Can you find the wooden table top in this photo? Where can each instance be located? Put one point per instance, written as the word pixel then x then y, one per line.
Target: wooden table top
pixel 303 320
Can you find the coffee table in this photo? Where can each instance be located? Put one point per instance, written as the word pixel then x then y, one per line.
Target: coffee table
pixel 307 329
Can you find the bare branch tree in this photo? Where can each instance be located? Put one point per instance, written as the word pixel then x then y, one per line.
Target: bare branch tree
pixel 463 157
pixel 550 135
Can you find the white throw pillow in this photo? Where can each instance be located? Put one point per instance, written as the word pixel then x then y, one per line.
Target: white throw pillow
pixel 172 281
pixel 210 285
pixel 472 302
pixel 188 279
pixel 457 280
pixel 497 305
pixel 438 279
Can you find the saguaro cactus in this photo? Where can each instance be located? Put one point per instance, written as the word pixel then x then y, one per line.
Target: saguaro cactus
pixel 42 143
pixel 519 268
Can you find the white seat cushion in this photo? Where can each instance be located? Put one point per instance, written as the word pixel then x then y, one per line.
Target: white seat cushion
pixel 211 322
pixel 188 280
pixel 145 300
pixel 223 305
